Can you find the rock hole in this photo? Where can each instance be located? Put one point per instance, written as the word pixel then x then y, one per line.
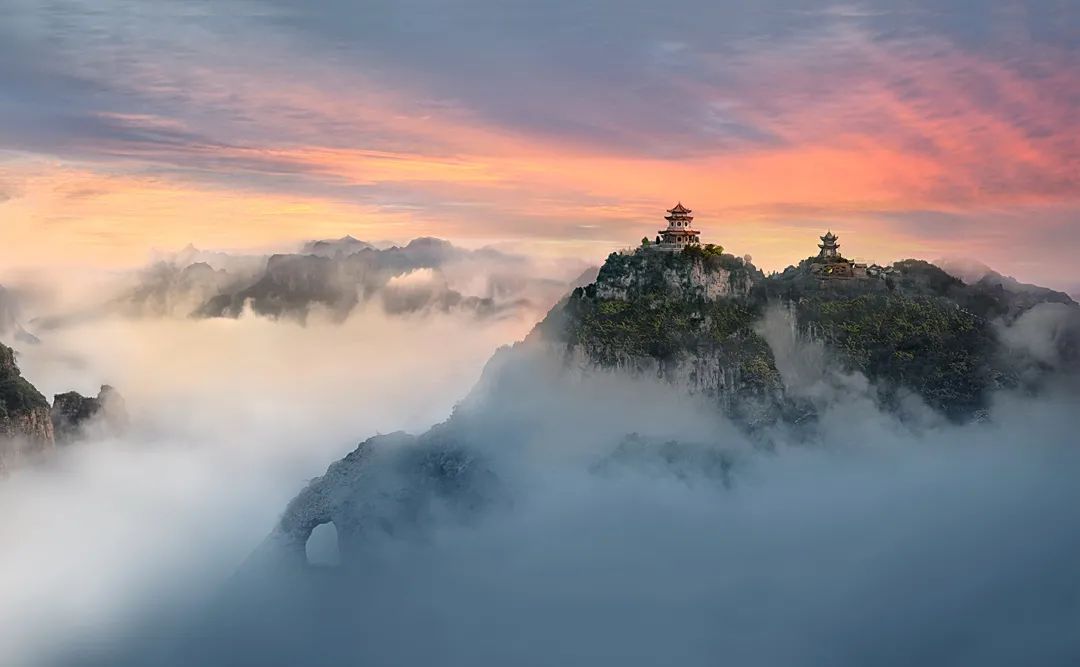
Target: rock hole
pixel 322 546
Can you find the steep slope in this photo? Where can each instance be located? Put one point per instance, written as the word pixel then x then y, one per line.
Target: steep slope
pixel 26 432
pixel 74 415
pixel 686 318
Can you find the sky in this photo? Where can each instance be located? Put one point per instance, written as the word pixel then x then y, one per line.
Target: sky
pixel 916 128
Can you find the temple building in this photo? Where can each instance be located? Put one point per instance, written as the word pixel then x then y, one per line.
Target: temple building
pixel 829 263
pixel 830 249
pixel 679 233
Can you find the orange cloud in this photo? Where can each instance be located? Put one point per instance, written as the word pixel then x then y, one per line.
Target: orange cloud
pixel 888 129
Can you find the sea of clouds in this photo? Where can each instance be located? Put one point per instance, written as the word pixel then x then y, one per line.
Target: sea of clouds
pixel 880 538
pixel 229 418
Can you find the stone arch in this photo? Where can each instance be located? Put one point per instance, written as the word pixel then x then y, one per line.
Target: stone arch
pixel 322 547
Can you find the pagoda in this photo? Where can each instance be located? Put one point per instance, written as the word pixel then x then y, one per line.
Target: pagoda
pixel 830 249
pixel 678 233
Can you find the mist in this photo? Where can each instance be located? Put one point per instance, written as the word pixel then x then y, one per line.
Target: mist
pixel 607 533
pixel 612 520
pixel 229 417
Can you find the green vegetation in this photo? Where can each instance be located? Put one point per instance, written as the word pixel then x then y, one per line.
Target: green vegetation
pixel 703 251
pixel 927 344
pixel 613 330
pixel 660 328
pixel 16 394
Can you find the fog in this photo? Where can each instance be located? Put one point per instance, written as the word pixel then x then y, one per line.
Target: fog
pixel 229 418
pixel 624 523
pixel 875 545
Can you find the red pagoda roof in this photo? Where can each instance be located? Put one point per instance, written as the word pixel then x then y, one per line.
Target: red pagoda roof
pixel 679 208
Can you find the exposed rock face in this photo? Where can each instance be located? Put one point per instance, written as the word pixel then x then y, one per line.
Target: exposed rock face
pixel 30 429
pixel 707 276
pixel 74 415
pixel 387 484
pixel 684 318
pixel 26 432
pixel 741 377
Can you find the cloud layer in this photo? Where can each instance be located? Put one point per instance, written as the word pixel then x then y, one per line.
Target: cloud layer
pixel 618 520
pixel 228 419
pixel 882 541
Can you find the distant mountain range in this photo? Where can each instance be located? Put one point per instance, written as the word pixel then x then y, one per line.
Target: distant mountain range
pixel 337 276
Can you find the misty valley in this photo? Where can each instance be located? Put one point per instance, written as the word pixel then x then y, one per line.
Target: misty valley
pixel 673 458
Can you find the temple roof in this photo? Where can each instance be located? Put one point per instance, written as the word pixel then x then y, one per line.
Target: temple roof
pixel 829 236
pixel 679 208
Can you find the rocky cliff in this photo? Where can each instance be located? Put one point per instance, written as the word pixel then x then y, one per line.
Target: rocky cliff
pixel 386 484
pixel 73 415
pixel 695 274
pixel 685 318
pixel 26 432
pixel 30 429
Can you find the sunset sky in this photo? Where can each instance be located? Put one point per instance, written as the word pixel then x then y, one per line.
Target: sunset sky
pixel 923 128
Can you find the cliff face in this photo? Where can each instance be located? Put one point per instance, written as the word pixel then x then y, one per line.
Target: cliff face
pixel 30 429
pixel 692 275
pixel 73 414
pixel 387 484
pixel 26 431
pixel 685 318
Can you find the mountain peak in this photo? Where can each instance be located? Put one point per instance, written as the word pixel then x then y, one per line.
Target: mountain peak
pixel 694 318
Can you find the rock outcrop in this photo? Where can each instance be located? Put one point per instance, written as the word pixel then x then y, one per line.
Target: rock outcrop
pixel 693 274
pixel 388 484
pixel 26 432
pixel 74 416
pixel 30 429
